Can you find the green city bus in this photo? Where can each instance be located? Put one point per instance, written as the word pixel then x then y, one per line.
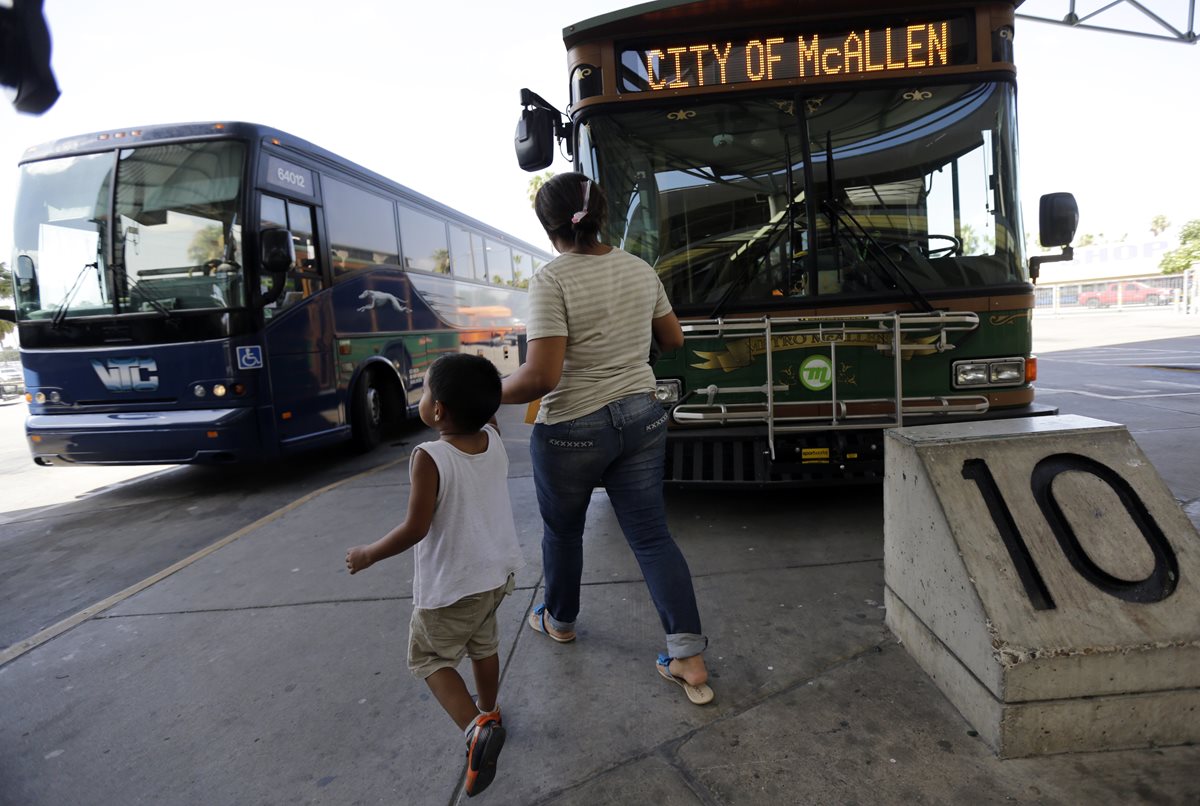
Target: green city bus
pixel 828 192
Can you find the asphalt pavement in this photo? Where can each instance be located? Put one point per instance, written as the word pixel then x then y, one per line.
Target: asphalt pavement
pixel 262 673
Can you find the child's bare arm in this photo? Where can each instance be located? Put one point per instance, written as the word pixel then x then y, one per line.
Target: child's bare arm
pixel 421 502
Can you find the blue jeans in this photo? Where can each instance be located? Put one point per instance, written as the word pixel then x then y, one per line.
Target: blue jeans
pixel 621 447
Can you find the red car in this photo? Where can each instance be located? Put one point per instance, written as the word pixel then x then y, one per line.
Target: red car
pixel 1131 293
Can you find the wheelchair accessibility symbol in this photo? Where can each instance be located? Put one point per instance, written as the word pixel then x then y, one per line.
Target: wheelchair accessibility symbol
pixel 249 357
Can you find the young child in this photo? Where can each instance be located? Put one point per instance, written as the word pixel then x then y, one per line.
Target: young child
pixel 460 520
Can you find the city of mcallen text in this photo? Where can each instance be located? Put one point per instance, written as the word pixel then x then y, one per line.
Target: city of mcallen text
pixel 774 58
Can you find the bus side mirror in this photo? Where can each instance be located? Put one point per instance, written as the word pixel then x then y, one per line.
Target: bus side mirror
pixel 1058 217
pixel 23 276
pixel 278 258
pixel 24 268
pixel 534 139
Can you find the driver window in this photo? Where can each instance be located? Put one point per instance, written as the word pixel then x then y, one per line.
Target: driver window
pixel 306 278
pixel 960 200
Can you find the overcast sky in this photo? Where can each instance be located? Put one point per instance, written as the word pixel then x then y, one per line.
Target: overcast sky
pixel 426 93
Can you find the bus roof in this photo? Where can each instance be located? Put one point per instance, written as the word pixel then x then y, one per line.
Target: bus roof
pixel 658 14
pixel 133 136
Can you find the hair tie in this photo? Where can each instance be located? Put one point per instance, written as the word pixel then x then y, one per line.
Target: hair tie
pixel 587 193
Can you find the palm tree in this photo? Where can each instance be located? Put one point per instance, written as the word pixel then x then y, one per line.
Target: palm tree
pixel 6 292
pixel 535 184
pixel 441 261
pixel 207 244
pixel 1187 254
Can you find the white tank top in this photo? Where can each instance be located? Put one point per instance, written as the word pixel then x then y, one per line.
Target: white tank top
pixel 472 543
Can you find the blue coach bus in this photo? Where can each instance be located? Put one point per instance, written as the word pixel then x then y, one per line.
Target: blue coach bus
pixel 222 292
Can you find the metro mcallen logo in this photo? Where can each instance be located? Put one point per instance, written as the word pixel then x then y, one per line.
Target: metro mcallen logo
pixel 126 374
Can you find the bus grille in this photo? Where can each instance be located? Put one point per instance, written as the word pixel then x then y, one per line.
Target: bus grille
pixel 802 460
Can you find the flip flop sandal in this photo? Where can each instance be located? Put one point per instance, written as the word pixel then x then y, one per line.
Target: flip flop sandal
pixel 537 623
pixel 699 695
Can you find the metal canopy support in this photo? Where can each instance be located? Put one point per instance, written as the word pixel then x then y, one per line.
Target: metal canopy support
pixel 1074 19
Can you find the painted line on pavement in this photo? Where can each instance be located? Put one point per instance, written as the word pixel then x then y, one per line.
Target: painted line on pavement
pixel 1175 383
pixel 53 631
pixel 1049 390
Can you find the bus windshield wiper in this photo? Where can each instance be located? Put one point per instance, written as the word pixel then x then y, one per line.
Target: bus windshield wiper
pixel 61 313
pixel 769 235
pixel 765 239
pixel 875 250
pixel 136 286
pixel 883 262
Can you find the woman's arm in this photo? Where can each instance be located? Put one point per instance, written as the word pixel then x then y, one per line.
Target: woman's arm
pixel 667 332
pixel 422 500
pixel 540 373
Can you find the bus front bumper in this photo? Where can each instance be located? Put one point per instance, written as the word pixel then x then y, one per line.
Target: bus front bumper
pixel 144 437
pixel 727 457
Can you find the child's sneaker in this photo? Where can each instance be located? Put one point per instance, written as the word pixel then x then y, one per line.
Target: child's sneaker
pixel 485 740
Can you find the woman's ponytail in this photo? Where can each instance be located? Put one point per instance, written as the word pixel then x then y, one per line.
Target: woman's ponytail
pixel 571 207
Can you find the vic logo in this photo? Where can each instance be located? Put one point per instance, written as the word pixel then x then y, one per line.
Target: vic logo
pixel 816 373
pixel 128 374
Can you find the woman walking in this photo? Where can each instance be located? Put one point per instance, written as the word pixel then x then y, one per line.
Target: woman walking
pixel 593 312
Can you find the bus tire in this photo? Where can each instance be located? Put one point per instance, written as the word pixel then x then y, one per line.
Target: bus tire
pixel 369 413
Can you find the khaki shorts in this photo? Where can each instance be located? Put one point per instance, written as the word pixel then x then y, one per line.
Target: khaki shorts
pixel 438 638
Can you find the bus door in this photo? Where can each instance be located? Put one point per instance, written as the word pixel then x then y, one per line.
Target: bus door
pixel 299 331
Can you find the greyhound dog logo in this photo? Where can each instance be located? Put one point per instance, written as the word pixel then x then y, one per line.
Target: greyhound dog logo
pixel 376 299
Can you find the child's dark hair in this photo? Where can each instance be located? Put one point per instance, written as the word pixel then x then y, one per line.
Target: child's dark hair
pixel 468 386
pixel 571 207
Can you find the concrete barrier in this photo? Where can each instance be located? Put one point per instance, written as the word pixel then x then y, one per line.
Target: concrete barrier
pixel 1041 573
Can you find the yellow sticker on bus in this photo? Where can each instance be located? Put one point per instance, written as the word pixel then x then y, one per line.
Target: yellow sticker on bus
pixel 814 456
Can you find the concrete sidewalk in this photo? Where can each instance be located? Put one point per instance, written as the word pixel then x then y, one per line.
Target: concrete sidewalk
pixel 265 674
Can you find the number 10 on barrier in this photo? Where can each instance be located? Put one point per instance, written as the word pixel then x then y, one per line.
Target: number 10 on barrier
pixel 1155 587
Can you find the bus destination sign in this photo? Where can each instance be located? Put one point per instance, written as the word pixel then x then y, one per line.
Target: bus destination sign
pixel 758 58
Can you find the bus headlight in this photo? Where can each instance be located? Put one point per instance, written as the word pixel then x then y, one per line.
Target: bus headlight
pixel 39 397
pixel 219 390
pixel 199 391
pixel 667 392
pixel 970 374
pixel 1006 372
pixel 989 372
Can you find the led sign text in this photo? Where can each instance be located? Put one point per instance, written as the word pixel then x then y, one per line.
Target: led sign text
pixel 882 50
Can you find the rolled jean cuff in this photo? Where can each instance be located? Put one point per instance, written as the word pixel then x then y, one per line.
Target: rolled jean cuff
pixel 561 626
pixel 685 644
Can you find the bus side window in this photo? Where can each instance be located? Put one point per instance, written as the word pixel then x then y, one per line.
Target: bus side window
pixel 361 228
pixel 306 277
pixel 499 263
pixel 463 257
pixel 424 240
pixel 274 213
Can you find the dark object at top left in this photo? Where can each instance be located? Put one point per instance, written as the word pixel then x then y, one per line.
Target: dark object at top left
pixel 25 56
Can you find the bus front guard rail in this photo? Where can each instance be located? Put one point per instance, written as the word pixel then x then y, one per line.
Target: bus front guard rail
pixel 830 331
pixel 755 413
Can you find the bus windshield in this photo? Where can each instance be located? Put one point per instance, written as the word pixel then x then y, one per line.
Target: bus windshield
pixel 174 224
pixel 767 198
